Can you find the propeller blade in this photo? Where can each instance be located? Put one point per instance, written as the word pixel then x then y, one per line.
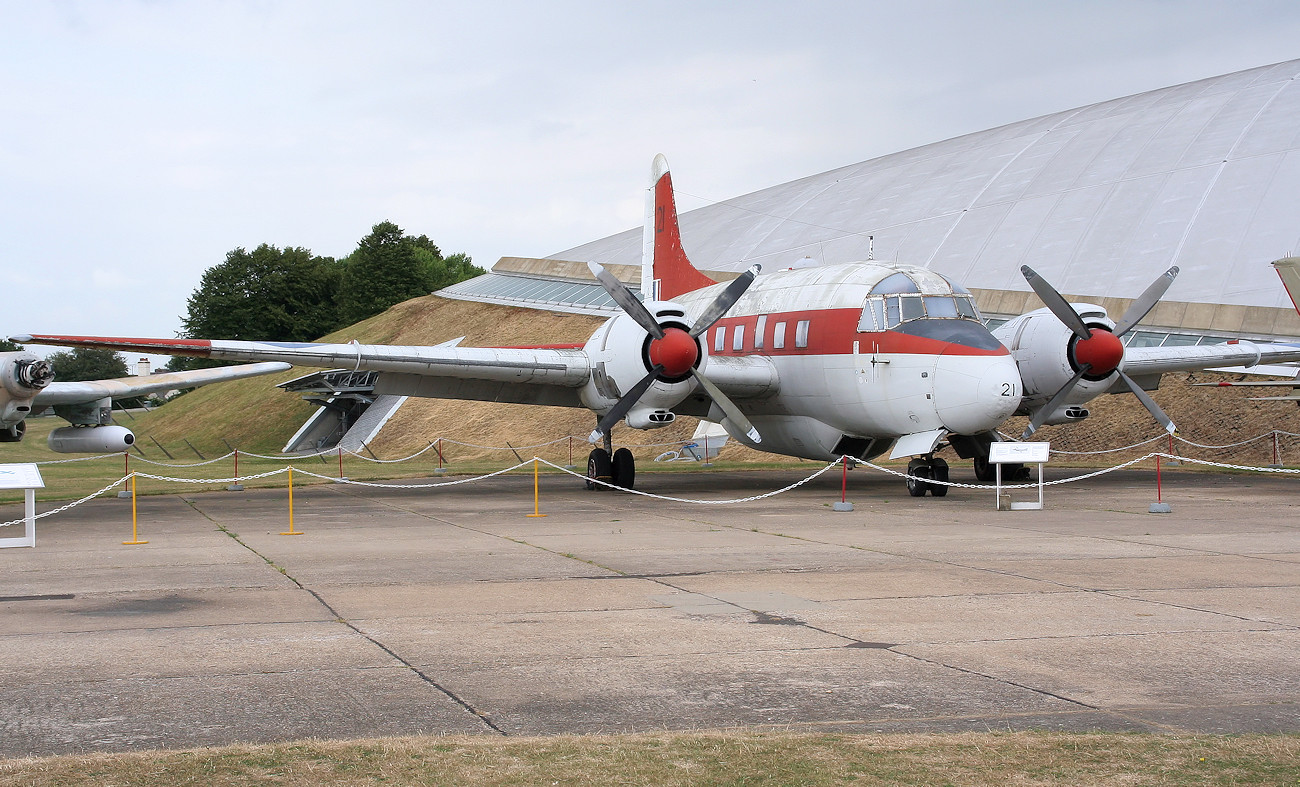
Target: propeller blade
pixel 626 300
pixel 729 407
pixel 1145 302
pixel 622 406
pixel 725 301
pixel 1148 402
pixel 1042 413
pixel 1053 301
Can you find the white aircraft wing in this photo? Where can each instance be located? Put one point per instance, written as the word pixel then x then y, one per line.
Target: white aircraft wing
pixel 127 387
pixel 543 375
pixel 1140 361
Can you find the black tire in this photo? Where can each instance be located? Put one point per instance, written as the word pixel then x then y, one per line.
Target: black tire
pixel 985 472
pixel 600 468
pixel 917 474
pixel 623 468
pixel 939 472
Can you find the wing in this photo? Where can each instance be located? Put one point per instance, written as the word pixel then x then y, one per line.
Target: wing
pixel 126 387
pixel 525 375
pixel 1141 361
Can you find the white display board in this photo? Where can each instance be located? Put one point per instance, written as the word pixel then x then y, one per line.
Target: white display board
pixel 28 478
pixel 1018 453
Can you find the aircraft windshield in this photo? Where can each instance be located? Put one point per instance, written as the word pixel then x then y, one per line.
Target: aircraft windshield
pixel 887 312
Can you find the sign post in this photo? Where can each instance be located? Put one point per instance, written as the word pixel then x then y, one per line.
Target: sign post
pixel 26 477
pixel 1021 454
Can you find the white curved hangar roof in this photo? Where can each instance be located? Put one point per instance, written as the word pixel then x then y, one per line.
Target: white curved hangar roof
pixel 1099 200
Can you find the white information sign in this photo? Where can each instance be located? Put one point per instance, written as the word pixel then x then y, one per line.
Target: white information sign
pixel 1018 453
pixel 25 476
pixel 28 478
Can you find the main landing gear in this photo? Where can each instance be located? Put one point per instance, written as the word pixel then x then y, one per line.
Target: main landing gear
pixel 618 469
pixel 921 471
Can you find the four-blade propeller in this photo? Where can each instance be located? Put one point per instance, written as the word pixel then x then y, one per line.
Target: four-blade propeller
pixel 1097 352
pixel 673 352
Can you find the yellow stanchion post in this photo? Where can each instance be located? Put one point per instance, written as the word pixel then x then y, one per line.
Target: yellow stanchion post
pixel 536 501
pixel 135 531
pixel 291 531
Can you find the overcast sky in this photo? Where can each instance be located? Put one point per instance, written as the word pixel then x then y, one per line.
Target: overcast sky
pixel 141 141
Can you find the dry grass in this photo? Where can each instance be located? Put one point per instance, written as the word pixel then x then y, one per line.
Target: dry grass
pixel 730 758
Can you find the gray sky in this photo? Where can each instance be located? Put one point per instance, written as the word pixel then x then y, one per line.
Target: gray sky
pixel 140 141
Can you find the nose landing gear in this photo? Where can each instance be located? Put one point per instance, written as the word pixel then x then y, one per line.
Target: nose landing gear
pixel 922 471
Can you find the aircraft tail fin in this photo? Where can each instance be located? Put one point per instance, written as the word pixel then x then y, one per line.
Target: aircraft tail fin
pixel 1288 269
pixel 666 271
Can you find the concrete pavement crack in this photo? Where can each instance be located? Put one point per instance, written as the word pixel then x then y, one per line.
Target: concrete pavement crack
pixel 428 679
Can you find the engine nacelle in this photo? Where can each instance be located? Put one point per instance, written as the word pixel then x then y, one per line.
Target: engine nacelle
pixel 22 376
pixel 1042 345
pixel 91 439
pixel 620 355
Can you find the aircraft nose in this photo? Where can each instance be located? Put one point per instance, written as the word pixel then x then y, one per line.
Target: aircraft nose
pixel 975 394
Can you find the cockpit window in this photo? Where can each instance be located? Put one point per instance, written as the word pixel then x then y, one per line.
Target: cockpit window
pixel 895 283
pixel 887 312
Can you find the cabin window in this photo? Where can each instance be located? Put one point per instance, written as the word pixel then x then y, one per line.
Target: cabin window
pixel 801 334
pixel 759 330
pixel 738 339
pixel 778 336
pixel 720 339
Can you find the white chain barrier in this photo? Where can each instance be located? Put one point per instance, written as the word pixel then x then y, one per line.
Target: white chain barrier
pixel 435 445
pixel 729 501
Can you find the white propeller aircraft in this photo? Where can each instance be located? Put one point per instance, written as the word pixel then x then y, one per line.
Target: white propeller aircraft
pixel 854 359
pixel 27 388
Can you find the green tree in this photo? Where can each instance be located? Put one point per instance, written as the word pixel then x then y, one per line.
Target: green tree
pixel 389 267
pixel 7 346
pixel 85 363
pixel 268 294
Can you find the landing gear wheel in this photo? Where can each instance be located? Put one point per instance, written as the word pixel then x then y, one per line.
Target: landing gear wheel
pixel 918 472
pixel 599 467
pixel 624 468
pixel 985 472
pixel 939 472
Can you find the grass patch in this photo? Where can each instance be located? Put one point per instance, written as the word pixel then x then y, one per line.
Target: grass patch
pixel 723 758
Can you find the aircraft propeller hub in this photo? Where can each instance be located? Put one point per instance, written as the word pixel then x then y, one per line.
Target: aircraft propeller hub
pixel 677 352
pixel 1101 352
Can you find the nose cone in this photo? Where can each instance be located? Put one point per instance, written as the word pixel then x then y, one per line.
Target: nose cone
pixel 975 394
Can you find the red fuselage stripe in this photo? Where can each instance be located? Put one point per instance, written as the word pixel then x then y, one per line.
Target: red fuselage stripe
pixel 828 332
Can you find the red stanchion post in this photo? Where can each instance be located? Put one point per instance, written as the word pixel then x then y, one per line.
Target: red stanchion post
pixel 340 463
pixel 1159 507
pixel 236 487
pixel 438 448
pixel 844 504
